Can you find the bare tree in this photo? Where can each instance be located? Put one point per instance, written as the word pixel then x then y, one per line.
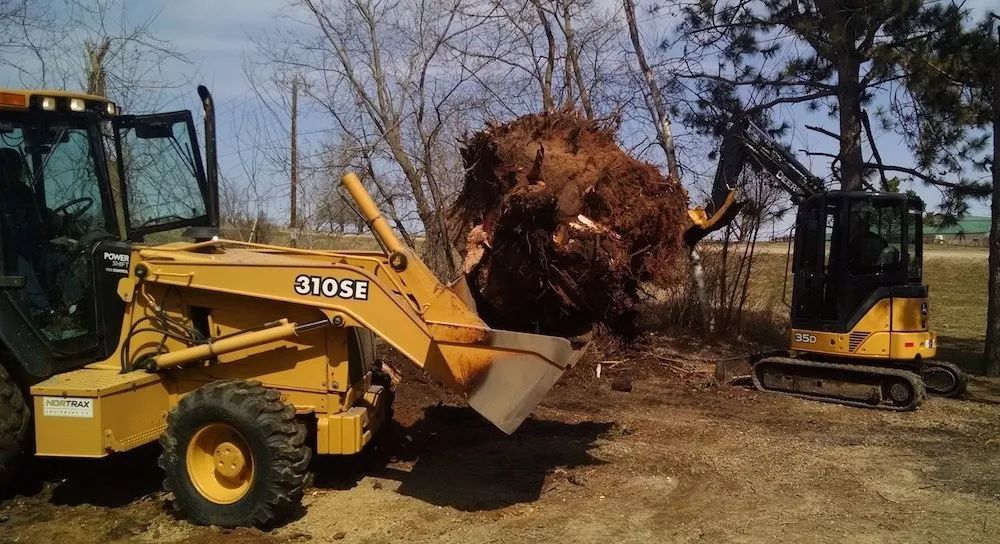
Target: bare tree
pixel 652 94
pixel 109 53
pixel 27 31
pixel 573 71
pixel 393 74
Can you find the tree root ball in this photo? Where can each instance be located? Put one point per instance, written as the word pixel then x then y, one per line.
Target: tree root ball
pixel 560 227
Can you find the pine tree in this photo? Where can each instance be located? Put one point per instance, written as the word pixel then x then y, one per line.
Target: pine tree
pixel 954 85
pixel 836 54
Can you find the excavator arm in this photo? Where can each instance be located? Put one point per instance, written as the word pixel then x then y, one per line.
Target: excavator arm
pixel 744 145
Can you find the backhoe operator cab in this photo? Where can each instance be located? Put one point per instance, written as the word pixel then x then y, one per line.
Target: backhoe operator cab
pixel 79 182
pixel 858 289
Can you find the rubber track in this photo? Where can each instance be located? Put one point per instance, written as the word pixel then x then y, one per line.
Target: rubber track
pixel 913 379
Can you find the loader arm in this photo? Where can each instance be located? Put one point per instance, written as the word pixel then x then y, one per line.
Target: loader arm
pixel 502 374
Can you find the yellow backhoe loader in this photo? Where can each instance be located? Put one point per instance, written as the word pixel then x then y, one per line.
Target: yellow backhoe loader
pixel 240 359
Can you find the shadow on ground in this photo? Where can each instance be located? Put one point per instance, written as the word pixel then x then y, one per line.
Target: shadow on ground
pixel 450 456
pixel 111 482
pixel 964 352
pixel 453 457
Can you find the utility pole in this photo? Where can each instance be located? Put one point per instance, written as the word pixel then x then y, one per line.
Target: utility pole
pixel 294 167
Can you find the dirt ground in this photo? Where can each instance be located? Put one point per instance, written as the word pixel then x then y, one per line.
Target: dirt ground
pixel 674 460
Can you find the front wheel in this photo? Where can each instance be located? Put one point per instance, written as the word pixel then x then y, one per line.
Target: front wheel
pixel 234 456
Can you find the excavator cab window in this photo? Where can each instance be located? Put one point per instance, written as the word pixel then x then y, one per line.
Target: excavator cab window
pixel 817 260
pixel 164 179
pixel 914 240
pixel 875 238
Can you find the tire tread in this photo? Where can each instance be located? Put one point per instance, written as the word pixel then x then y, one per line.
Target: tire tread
pixel 285 438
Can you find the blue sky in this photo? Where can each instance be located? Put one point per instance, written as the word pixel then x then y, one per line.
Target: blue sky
pixel 216 36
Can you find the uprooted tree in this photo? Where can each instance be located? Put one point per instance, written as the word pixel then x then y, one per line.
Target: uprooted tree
pixel 560 226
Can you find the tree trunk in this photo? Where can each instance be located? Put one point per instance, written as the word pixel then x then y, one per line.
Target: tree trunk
pixel 654 98
pixel 573 61
pixel 849 101
pixel 992 354
pixel 437 249
pixel 97 79
pixel 548 100
pixel 293 222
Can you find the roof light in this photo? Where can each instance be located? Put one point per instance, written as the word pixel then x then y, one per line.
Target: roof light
pixel 48 103
pixel 76 104
pixel 13 99
pixel 111 108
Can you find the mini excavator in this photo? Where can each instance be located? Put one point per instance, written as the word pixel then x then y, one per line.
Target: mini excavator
pixel 859 315
pixel 240 359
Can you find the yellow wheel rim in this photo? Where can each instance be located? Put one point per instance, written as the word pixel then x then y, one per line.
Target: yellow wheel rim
pixel 219 463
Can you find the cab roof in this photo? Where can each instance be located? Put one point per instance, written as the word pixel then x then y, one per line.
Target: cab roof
pixel 28 93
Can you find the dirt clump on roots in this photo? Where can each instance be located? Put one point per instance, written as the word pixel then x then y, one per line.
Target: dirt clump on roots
pixel 560 227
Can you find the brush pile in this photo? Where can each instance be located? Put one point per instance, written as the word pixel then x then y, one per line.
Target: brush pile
pixel 560 227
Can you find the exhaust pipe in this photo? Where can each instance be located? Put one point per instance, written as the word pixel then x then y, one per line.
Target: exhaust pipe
pixel 211 155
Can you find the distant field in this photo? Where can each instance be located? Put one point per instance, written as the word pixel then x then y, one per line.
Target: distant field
pixel 956 276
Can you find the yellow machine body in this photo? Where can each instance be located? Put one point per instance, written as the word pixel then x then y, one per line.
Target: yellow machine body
pixel 297 321
pixel 892 329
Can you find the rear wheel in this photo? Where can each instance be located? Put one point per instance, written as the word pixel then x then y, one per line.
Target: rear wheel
pixel 235 456
pixel 15 428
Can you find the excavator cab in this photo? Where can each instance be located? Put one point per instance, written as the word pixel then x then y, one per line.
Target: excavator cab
pixel 79 182
pixel 857 268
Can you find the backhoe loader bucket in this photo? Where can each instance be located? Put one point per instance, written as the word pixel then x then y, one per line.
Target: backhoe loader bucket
pixel 506 374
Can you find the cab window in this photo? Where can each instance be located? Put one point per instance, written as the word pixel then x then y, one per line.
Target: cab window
pixel 52 211
pixel 875 237
pixel 163 176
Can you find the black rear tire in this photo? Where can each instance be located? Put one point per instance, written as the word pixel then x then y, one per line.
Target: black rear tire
pixel 273 438
pixel 15 429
